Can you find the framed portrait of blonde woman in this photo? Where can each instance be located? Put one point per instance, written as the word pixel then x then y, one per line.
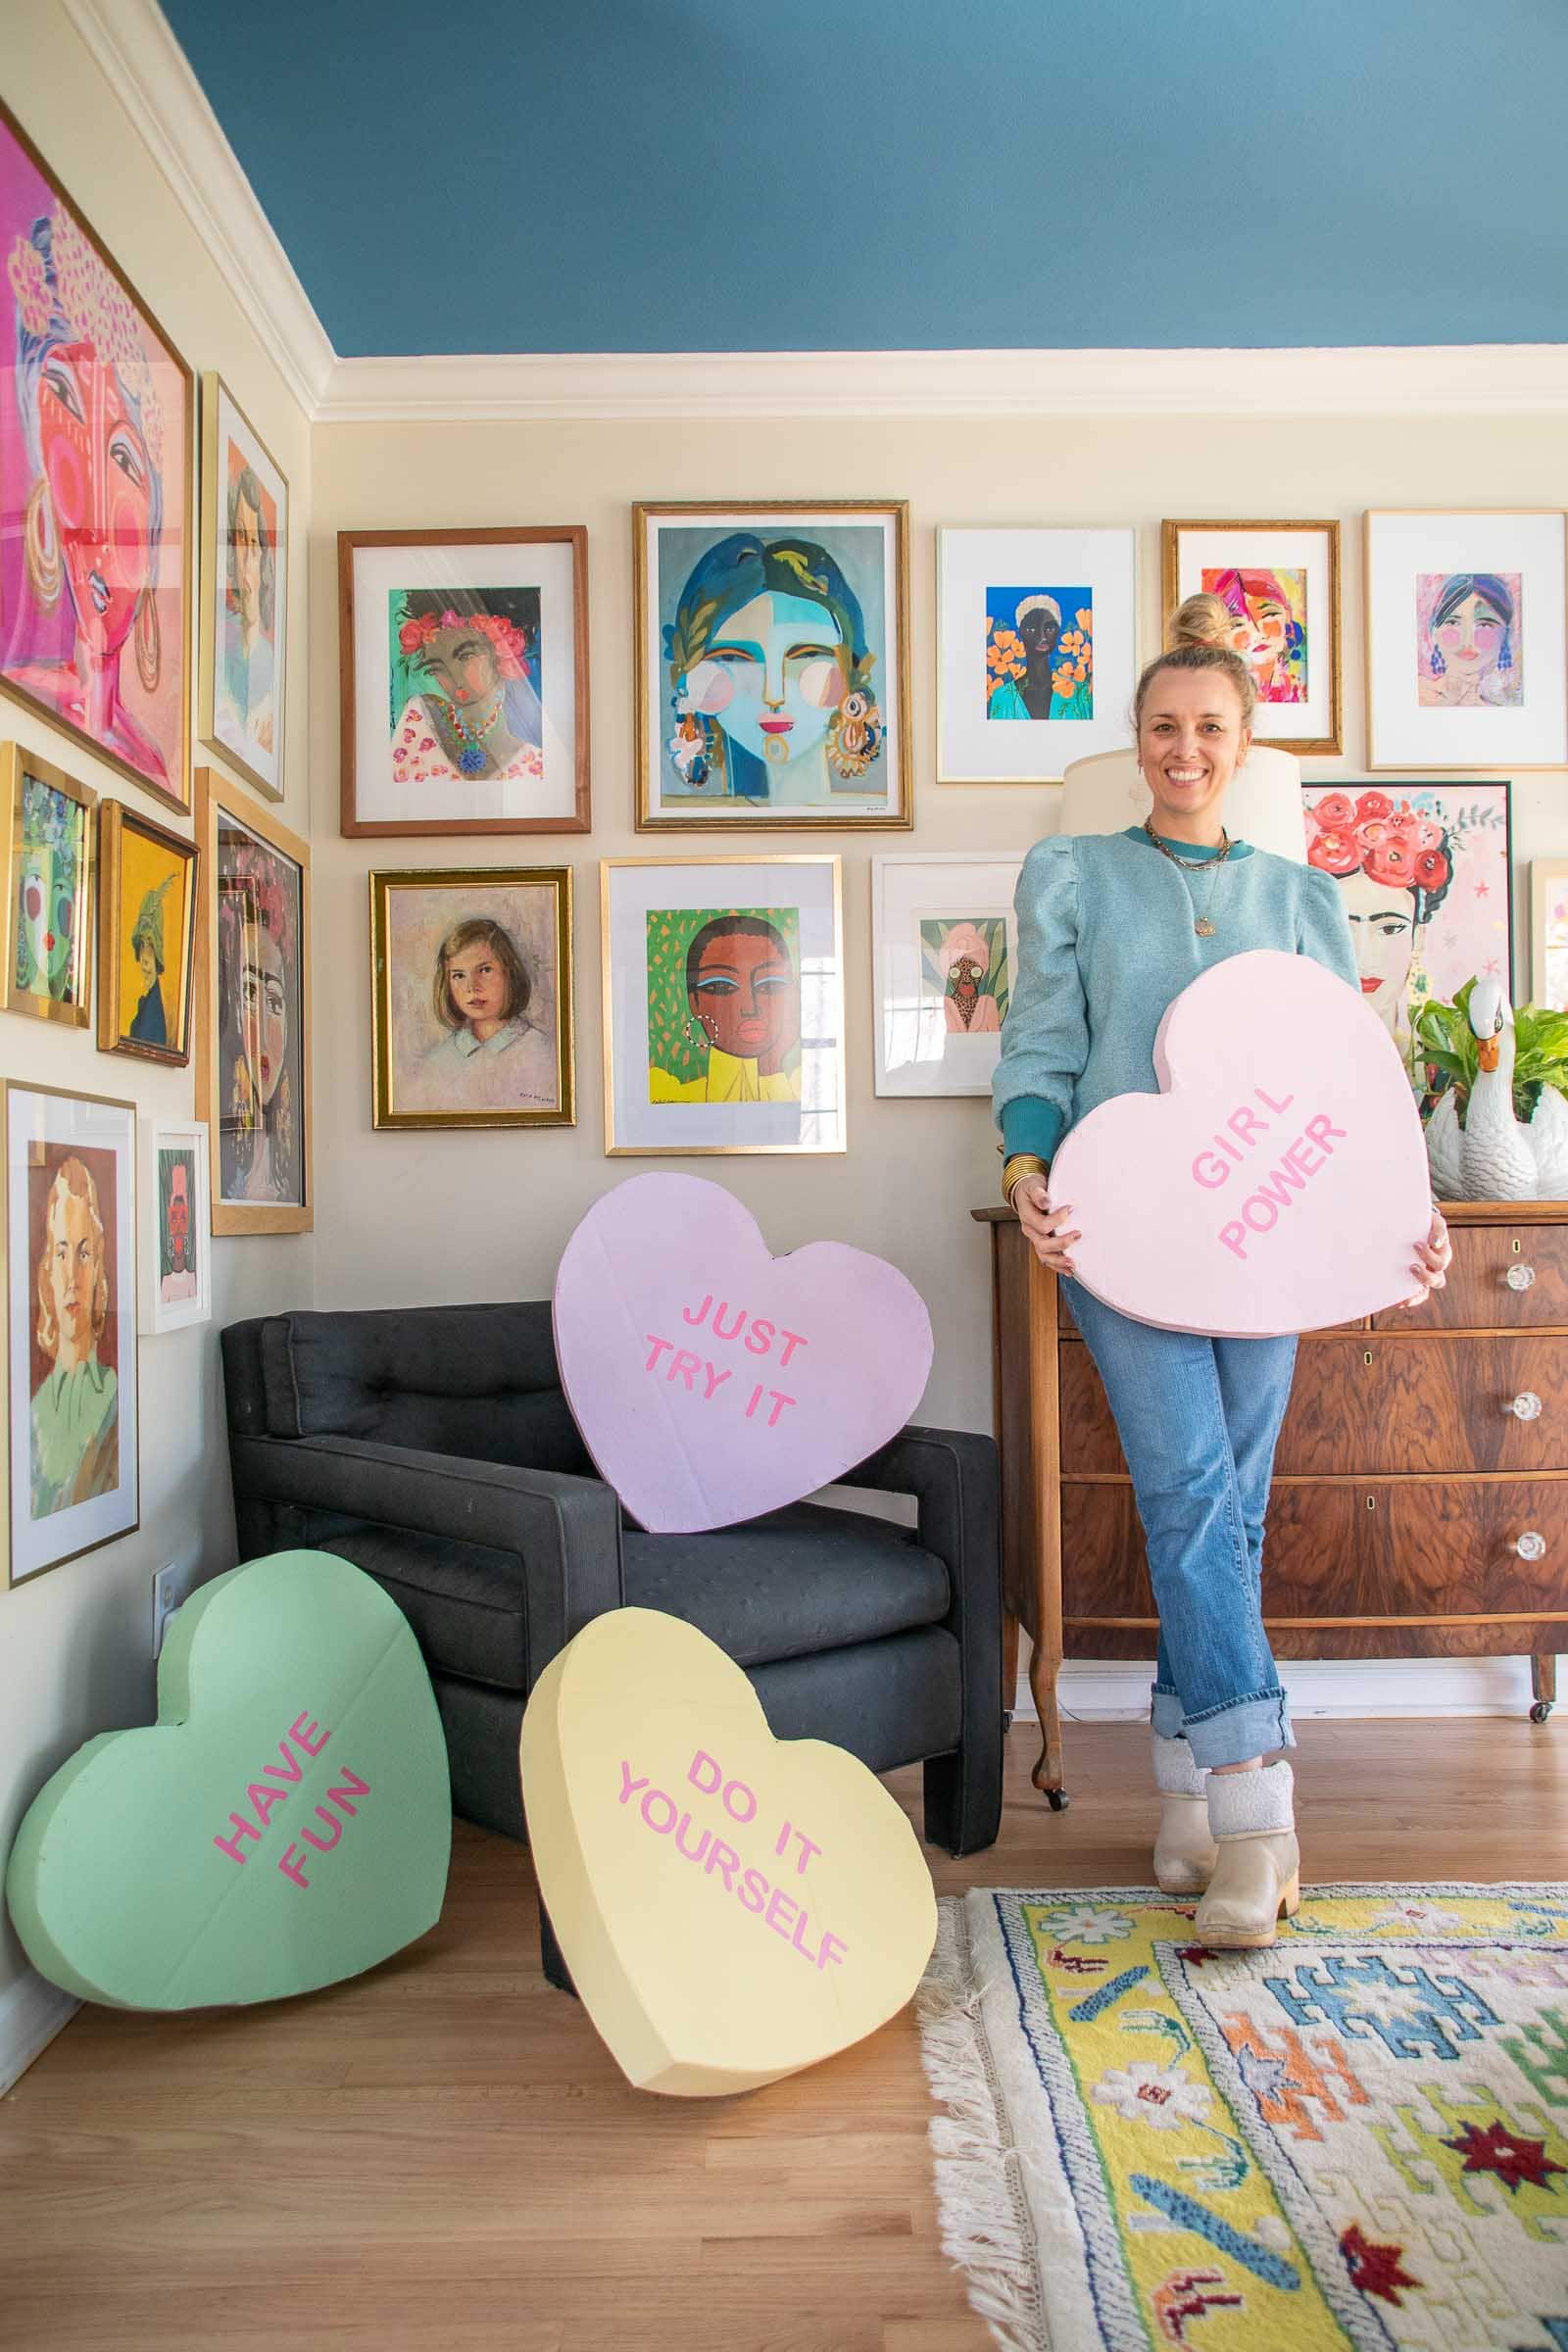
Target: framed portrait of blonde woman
pixel 253 1011
pixel 70 1375
pixel 1279 582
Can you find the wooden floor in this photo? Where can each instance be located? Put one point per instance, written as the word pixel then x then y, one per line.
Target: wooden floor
pixel 441 2156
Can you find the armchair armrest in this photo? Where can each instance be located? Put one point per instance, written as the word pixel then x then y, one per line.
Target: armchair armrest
pixel 564 1530
pixel 952 1475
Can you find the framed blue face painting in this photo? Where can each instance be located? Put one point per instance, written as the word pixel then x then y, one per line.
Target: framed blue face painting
pixel 773 664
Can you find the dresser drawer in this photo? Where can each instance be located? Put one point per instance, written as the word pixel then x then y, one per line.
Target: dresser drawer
pixel 1338 1552
pixel 1478 1295
pixel 1426 1405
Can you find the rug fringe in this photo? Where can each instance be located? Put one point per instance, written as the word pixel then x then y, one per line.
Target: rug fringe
pixel 979 2202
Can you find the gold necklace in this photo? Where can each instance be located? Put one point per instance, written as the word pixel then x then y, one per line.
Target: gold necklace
pixel 1195 865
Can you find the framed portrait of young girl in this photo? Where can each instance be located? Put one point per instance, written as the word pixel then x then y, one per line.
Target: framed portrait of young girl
pixel 724 1004
pixel 464 681
pixel 252 1043
pixel 470 987
pixel 70 1345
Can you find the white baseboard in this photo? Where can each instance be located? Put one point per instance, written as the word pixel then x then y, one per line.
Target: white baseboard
pixel 31 2013
pixel 1091 1691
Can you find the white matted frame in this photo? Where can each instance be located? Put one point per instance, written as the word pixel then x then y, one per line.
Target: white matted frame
pixel 944 948
pixel 986 730
pixel 176 1267
pixel 1485 684
pixel 666 1088
pixel 73 1476
pixel 1548 932
pixel 1281 581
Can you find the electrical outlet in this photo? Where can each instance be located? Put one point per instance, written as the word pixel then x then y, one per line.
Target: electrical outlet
pixel 170 1587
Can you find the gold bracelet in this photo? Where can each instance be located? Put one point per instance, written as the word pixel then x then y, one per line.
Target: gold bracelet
pixel 1016 1168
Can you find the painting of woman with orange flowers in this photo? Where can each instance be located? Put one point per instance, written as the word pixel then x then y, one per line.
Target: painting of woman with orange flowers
pixel 1425 876
pixel 1039 657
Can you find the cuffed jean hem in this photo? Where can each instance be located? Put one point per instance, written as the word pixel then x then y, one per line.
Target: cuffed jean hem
pixel 1230 1734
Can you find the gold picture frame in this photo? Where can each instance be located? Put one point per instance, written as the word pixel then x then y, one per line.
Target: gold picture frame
pixel 144 932
pixel 448 1074
pixel 1322 729
pixel 253 1059
pixel 17 765
pixel 225 424
pixel 705 1126
pixel 650 665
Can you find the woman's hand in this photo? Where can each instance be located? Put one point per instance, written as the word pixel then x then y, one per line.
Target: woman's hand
pixel 1434 1256
pixel 1044 1226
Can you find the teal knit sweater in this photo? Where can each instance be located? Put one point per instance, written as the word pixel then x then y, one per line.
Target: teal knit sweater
pixel 1106 941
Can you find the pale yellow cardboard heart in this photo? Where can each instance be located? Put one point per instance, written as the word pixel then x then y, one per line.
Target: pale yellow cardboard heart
pixel 732 1907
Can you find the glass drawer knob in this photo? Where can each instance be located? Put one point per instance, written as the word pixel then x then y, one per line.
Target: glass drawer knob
pixel 1520 1278
pixel 1527 1404
pixel 1530 1546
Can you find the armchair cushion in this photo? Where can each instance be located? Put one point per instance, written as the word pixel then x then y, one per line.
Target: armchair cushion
pixel 797 1582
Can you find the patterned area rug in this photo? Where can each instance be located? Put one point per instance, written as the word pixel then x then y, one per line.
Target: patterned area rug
pixel 1358 2138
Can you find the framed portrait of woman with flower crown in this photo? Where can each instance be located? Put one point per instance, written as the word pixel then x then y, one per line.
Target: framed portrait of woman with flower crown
pixel 97 414
pixel 464 681
pixel 773 664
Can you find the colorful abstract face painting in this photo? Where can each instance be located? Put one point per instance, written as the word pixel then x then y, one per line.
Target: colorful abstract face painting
pixel 964 964
pixel 95 420
pixel 261 1090
pixel 179 1239
pixel 1039 653
pixel 1469 640
pixel 49 919
pixel 1425 880
pixel 724 1005
pixel 463 670
pixel 1268 616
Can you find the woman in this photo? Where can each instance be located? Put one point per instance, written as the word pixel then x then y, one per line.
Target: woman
pixel 476 716
pixel 491 1056
pixel 1110 929
pixel 260 1150
pixel 964 959
pixel 76 1407
pixel 744 1001
pixel 770 676
pixel 1046 688
pixel 1394 867
pixel 1471 657
pixel 93 430
pixel 150 1023
pixel 1267 630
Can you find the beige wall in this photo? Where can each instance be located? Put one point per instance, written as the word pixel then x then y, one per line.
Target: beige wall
pixel 484 1215
pixel 76 1643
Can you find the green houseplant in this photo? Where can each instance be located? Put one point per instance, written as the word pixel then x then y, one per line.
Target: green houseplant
pixel 1448 1046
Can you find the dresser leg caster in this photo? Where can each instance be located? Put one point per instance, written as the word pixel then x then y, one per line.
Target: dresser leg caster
pixel 1540 1710
pixel 1007 1721
pixel 1057 1799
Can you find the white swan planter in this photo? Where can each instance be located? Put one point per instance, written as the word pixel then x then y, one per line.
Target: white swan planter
pixel 1496 1156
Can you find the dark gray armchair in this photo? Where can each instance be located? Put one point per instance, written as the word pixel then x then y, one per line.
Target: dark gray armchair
pixel 433 1447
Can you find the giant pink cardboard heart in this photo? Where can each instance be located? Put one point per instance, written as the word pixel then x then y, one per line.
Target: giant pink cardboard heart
pixel 1277 1183
pixel 713 1382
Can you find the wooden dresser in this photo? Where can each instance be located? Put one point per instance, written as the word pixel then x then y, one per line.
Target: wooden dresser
pixel 1404 1483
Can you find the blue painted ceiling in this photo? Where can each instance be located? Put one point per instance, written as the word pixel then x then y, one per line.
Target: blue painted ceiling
pixel 515 175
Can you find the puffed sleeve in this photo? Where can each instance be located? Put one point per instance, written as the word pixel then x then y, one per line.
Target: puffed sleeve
pixel 1323 928
pixel 1044 1038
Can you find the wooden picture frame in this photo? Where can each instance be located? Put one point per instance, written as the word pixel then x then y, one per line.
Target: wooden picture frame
pixel 30 855
pixel 243 485
pixel 253 1074
pixel 443 1074
pixel 68 1156
pixel 398 771
pixel 63 291
pixel 143 932
pixel 863 755
pixel 1282 617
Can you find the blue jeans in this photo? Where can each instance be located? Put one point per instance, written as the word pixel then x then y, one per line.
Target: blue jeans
pixel 1197 1420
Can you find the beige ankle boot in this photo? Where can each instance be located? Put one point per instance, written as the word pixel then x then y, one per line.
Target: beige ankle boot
pixel 1184 1850
pixel 1258 1874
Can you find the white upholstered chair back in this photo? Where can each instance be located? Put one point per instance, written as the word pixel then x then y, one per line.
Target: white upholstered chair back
pixel 1264 806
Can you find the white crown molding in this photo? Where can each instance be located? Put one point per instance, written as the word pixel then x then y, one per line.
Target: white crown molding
pixel 131 42
pixel 498 388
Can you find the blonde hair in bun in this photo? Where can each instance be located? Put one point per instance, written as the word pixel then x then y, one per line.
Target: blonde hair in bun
pixel 1195 639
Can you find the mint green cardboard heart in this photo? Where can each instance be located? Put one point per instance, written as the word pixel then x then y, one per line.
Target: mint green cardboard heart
pixel 286 1823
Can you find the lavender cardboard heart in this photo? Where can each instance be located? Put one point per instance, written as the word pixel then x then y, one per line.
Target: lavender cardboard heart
pixel 1277 1182
pixel 713 1382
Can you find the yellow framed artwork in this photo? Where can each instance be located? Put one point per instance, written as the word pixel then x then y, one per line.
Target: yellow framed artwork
pixel 147 887
pixel 51 860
